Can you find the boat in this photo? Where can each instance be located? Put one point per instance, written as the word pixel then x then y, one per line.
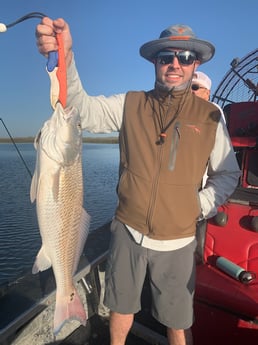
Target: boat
pixel 226 297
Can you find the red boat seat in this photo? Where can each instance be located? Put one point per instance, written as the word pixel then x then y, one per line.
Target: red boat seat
pixel 238 142
pixel 249 177
pixel 239 244
pixel 235 241
pixel 241 119
pixel 217 289
pixel 242 124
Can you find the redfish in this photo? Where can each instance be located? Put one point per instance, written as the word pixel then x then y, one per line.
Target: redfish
pixel 57 187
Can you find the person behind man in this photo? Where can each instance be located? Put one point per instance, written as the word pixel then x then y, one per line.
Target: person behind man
pixel 167 136
pixel 201 85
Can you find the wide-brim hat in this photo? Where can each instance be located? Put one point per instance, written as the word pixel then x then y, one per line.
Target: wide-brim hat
pixel 179 37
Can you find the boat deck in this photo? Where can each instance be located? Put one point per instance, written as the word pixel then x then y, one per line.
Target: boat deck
pixel 31 322
pixel 96 332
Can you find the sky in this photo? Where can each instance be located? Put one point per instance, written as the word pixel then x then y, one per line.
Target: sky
pixel 107 36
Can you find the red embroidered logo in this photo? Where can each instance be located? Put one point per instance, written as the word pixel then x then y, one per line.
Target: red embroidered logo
pixel 181 30
pixel 194 128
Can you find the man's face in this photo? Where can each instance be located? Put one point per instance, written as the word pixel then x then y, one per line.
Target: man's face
pixel 201 91
pixel 179 69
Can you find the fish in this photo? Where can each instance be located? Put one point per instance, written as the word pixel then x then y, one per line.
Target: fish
pixel 57 189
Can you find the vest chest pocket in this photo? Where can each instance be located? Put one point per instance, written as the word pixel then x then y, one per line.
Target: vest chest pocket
pixel 189 151
pixel 174 145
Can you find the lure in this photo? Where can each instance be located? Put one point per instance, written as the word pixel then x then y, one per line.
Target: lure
pixel 56 66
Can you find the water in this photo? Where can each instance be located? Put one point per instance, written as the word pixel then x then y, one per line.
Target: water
pixel 19 233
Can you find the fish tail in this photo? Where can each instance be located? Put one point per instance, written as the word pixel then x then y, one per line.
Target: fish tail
pixel 68 308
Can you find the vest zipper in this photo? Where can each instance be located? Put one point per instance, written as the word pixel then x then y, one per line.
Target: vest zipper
pixel 174 145
pixel 172 156
pixel 155 186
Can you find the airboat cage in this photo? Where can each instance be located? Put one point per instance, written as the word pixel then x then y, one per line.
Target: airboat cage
pixel 240 83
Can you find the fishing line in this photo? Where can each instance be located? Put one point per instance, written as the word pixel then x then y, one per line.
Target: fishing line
pixel 3 28
pixel 17 149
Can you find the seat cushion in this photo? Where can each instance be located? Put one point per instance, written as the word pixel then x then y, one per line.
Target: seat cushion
pixel 217 288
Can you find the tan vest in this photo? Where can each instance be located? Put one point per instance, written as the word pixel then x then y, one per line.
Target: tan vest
pixel 158 187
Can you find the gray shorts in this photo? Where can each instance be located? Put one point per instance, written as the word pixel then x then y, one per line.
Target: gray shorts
pixel 172 279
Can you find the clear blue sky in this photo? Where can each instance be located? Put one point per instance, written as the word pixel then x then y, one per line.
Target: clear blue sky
pixel 107 36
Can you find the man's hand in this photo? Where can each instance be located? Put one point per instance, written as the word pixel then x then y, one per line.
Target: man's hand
pixel 46 37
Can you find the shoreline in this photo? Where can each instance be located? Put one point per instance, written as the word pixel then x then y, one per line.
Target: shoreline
pixel 95 140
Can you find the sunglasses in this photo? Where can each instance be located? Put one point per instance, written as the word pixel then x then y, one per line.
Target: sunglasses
pixel 196 87
pixel 184 57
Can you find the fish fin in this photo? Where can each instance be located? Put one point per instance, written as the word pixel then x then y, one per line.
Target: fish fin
pixel 84 231
pixel 33 187
pixel 42 261
pixel 68 308
pixel 55 184
pixel 49 180
pixel 34 182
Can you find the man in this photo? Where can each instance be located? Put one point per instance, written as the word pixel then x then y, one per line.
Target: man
pixel 167 137
pixel 201 85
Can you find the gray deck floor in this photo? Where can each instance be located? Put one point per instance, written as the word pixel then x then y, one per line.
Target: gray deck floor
pixel 97 333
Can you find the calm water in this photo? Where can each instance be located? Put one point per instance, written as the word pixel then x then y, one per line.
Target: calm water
pixel 19 234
